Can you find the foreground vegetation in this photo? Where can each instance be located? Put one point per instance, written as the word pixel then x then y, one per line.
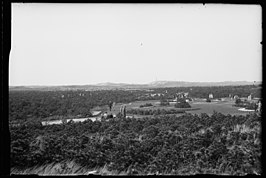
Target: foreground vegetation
pixel 188 144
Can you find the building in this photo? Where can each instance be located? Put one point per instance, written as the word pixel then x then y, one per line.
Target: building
pixel 186 95
pixel 250 97
pixel 105 115
pixel 259 106
pixel 182 95
pixel 179 95
pixel 123 111
pixel 210 96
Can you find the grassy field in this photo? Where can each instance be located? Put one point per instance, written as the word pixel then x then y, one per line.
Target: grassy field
pixel 225 107
pixel 197 106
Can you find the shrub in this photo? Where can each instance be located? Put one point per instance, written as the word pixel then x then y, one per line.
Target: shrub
pixel 208 100
pixel 181 103
pixel 146 105
pixel 164 102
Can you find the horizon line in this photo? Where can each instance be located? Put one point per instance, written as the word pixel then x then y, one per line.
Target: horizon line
pixel 133 83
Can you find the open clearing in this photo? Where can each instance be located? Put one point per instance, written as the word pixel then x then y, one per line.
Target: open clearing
pixel 224 107
pixel 197 106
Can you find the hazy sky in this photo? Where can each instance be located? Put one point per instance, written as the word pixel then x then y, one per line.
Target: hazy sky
pixel 67 44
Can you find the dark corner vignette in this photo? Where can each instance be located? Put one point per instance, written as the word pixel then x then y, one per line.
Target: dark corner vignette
pixel 6 47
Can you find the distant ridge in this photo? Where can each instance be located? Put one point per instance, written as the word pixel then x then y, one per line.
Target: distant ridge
pixel 188 84
pixel 155 84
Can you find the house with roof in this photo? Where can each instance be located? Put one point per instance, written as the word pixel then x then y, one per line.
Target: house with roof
pixel 182 95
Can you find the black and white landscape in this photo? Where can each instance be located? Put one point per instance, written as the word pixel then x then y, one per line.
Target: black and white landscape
pixel 135 89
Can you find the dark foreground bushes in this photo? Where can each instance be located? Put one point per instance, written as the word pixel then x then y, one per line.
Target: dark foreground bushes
pixel 188 144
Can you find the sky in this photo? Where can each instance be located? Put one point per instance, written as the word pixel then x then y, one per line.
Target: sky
pixel 80 44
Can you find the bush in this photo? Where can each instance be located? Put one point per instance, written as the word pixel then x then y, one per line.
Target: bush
pixel 164 102
pixel 146 105
pixel 208 100
pixel 252 106
pixel 238 101
pixel 181 103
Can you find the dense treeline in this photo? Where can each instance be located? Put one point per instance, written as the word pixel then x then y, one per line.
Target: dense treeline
pixel 188 144
pixel 25 105
pixel 41 104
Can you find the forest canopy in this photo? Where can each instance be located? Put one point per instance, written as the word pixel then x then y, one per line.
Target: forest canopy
pixel 188 144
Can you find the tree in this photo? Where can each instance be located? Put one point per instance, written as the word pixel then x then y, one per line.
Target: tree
pixel 164 102
pixel 208 100
pixel 110 104
pixel 238 101
pixel 181 103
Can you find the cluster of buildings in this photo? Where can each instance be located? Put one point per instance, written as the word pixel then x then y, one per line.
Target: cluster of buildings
pixel 250 99
pixel 182 95
pixel 156 94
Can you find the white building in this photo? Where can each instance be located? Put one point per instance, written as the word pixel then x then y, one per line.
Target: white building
pixel 182 95
pixel 250 97
pixel 105 115
pixel 259 106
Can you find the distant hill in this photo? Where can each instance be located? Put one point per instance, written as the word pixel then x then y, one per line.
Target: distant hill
pixel 190 84
pixel 110 86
